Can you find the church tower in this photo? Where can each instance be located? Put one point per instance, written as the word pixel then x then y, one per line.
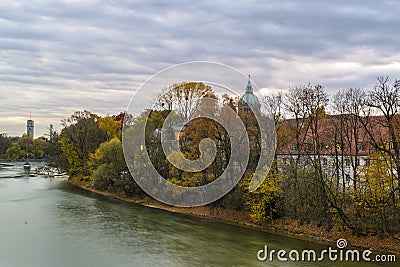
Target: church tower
pixel 248 109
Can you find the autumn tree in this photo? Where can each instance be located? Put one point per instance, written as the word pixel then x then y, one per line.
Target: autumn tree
pixel 80 136
pixel 112 126
pixel 263 203
pixel 184 98
pixel 305 181
pixel 385 98
pixel 348 139
pixel 108 165
pixel 24 147
pixel 275 107
pixel 295 108
pixel 5 143
pixel 374 201
pixel 14 152
pixel 39 148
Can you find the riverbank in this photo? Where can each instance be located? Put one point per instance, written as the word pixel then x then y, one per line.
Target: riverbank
pixel 283 226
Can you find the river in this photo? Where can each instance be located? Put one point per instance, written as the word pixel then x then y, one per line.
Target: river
pixel 47 222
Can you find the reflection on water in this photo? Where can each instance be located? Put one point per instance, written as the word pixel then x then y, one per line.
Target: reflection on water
pixel 49 223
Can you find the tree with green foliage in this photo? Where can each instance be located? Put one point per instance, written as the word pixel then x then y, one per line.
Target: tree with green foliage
pixel 80 136
pixel 5 143
pixel 108 164
pixel 39 148
pixel 25 147
pixel 15 152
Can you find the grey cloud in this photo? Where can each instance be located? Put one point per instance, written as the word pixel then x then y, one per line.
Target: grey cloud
pixel 74 54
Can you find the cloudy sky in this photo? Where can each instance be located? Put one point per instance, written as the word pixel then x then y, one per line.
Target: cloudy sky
pixel 57 56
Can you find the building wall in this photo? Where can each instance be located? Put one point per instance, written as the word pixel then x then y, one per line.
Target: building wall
pixel 331 165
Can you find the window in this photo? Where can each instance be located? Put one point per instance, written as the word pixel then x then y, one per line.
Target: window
pixel 308 147
pixel 358 161
pixel 295 146
pixel 390 145
pixel 347 162
pixel 324 161
pixel 321 146
pixel 284 161
pixel 360 146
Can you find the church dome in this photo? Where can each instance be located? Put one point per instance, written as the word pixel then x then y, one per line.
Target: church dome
pixel 249 97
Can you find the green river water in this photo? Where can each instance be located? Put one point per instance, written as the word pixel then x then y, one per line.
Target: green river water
pixel 47 222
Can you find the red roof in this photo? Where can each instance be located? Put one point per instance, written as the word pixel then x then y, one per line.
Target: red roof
pixel 337 134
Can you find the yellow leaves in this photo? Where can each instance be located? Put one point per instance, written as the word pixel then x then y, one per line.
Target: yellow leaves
pixel 261 202
pixel 72 156
pixel 376 184
pixel 184 183
pixel 284 135
pixel 179 177
pixel 68 150
pixel 111 126
pixel 110 153
pixel 257 212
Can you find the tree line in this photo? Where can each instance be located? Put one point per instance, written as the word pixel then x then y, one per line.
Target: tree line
pixel 364 199
pixel 19 148
pixel 89 148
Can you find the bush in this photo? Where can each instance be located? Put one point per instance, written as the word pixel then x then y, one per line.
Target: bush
pixel 101 177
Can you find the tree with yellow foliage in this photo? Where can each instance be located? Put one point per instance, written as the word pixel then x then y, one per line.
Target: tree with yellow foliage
pixel 374 199
pixel 262 202
pixel 111 126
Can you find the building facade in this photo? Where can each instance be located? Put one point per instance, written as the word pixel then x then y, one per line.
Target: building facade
pixel 343 149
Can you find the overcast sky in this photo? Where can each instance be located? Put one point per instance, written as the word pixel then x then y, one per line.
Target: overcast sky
pixel 57 57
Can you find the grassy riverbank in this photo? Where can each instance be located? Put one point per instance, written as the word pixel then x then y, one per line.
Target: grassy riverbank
pixel 283 226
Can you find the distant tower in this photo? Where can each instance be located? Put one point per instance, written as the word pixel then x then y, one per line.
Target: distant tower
pixel 29 128
pixel 51 133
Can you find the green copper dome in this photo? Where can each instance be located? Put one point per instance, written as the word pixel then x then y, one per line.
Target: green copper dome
pixel 249 97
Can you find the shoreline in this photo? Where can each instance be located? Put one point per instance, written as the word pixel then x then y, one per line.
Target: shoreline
pixel 283 226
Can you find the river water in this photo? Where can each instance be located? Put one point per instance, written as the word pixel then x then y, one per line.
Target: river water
pixel 47 222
